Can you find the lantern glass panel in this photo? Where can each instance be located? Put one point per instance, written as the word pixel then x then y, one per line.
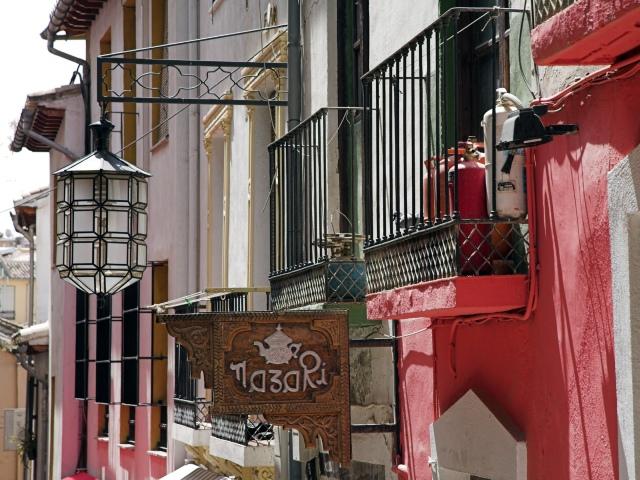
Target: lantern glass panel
pixel 118 189
pixel 62 223
pixel 142 191
pixel 110 282
pixel 140 224
pixel 82 221
pixel 142 254
pixel 83 189
pixel 118 221
pixel 60 254
pixel 117 253
pixel 62 191
pixel 83 253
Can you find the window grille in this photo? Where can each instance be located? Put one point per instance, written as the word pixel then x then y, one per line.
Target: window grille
pixel 130 343
pixel 82 345
pixel 7 302
pixel 103 349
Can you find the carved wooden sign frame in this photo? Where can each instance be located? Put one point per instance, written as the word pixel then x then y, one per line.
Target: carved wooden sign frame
pixel 292 367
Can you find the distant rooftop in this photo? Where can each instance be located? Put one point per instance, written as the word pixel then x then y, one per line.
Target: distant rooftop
pixel 74 17
pixel 40 116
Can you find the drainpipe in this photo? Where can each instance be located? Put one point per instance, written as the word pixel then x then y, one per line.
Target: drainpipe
pixel 56 146
pixel 57 17
pixel 194 280
pixel 294 67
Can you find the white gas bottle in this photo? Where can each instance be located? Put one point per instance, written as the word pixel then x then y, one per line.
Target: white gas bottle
pixel 511 195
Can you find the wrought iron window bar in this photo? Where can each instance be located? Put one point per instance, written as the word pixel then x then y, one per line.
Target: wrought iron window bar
pixel 415 230
pixel 305 215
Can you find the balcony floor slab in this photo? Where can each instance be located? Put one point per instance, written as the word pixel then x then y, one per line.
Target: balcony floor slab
pixel 450 297
pixel 191 436
pixel 242 455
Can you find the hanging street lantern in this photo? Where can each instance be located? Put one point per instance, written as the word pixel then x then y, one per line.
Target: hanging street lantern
pixel 101 219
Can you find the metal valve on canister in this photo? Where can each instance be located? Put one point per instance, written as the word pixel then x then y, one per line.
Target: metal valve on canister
pixel 511 194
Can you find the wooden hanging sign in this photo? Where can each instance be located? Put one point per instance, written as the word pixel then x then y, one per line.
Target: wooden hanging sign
pixel 292 367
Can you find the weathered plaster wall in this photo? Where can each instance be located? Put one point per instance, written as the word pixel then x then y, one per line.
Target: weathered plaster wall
pixel 624 223
pixel 392 24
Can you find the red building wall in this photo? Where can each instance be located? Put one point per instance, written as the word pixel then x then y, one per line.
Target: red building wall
pixel 553 375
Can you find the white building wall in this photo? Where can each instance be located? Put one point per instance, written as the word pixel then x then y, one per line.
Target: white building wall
pixel 624 222
pixel 392 24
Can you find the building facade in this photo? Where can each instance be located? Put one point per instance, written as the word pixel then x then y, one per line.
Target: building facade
pixel 490 311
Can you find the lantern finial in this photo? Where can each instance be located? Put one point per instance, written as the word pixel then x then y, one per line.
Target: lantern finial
pixel 101 131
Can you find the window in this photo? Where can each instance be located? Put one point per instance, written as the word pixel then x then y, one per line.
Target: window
pixel 128 424
pixel 353 62
pixel 128 121
pixel 159 342
pixel 103 349
pixel 130 341
pixel 160 79
pixel 82 344
pixel 103 421
pixel 7 302
pixel 474 61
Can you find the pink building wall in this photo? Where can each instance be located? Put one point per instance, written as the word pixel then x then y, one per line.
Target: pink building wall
pixel 554 375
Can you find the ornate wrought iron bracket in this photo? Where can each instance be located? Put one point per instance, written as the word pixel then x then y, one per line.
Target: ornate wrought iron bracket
pixel 197 82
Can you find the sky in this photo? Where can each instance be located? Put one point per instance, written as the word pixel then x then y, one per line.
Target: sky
pixel 27 67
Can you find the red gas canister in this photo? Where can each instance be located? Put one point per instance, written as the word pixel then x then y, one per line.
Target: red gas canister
pixel 474 240
pixel 434 186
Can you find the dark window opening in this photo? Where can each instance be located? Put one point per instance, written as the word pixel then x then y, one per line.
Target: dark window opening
pixel 103 349
pixel 82 345
pixel 162 442
pixel 130 343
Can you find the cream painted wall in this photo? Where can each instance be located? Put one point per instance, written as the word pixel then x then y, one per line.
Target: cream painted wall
pixel 20 299
pixel 11 396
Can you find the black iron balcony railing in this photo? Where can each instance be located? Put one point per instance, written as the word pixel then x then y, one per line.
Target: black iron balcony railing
pixel 242 429
pixel 545 9
pixel 307 198
pixel 433 209
pixel 192 413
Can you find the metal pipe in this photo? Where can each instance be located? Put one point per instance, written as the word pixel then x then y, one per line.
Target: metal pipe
pixel 85 84
pixel 294 70
pixel 194 161
pixel 50 143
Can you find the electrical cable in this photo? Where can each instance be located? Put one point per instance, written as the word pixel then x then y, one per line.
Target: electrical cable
pixel 195 40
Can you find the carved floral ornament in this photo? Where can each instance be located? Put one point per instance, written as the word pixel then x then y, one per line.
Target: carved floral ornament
pixel 292 367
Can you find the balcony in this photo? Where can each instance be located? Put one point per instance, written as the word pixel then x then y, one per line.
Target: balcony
pixel 242 439
pixel 192 413
pixel 442 226
pixel 314 248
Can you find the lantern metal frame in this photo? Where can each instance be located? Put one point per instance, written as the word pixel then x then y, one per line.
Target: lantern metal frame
pixel 101 219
